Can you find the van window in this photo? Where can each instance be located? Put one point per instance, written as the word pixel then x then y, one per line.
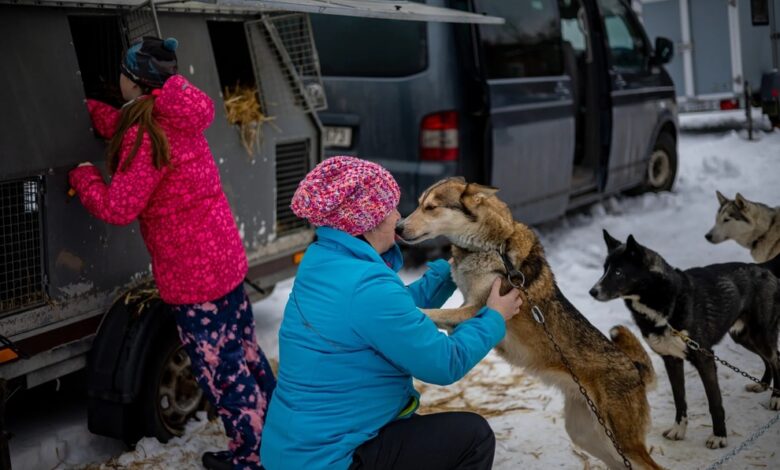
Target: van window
pixel 626 44
pixel 365 47
pixel 528 44
pixel 574 24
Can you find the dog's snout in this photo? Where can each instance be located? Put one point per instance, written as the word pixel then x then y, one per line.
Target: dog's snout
pixel 593 292
pixel 708 236
pixel 399 228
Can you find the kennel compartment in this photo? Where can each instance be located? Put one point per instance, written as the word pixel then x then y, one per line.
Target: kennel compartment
pixel 22 275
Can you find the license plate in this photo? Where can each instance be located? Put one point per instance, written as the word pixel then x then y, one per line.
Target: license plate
pixel 338 137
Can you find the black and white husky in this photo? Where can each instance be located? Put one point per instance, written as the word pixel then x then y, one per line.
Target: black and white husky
pixel 704 303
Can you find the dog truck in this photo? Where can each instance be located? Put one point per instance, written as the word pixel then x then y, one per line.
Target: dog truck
pixel 723 49
pixel 76 293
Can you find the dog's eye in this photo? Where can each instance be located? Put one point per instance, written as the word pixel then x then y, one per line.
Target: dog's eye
pixel 429 208
pixel 618 272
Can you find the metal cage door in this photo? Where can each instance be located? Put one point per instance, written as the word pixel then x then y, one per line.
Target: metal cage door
pixel 140 21
pixel 290 34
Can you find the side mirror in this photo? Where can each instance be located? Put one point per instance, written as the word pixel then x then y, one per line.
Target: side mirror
pixel 664 50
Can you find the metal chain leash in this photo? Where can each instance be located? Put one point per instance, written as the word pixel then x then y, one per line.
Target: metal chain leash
pixel 694 346
pixel 539 317
pixel 745 444
pixel 536 312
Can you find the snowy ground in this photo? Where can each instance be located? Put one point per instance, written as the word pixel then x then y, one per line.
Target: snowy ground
pixel 526 415
pixel 707 121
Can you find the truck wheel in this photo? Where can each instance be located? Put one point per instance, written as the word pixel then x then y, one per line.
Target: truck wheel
pixel 662 166
pixel 170 395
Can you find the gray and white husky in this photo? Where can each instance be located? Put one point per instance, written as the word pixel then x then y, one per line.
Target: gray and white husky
pixel 753 225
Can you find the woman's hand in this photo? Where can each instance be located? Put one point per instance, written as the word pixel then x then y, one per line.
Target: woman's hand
pixel 507 305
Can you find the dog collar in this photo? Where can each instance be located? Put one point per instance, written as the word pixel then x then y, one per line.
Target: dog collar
pixel 512 272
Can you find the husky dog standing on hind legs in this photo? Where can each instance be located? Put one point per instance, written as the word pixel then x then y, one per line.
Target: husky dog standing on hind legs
pixel 487 242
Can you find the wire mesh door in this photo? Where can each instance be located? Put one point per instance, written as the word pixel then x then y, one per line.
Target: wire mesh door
pixel 21 249
pixel 291 35
pixel 141 21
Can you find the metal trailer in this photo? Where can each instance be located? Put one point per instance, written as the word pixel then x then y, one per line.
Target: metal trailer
pixel 76 293
pixel 720 47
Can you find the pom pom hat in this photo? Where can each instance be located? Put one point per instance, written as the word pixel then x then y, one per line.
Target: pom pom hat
pixel 346 193
pixel 150 61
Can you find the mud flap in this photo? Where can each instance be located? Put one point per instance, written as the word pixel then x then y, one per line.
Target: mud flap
pixel 117 361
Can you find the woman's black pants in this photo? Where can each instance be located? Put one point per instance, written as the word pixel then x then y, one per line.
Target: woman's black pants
pixel 441 441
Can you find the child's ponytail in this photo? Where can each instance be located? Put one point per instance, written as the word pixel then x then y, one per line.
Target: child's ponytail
pixel 139 112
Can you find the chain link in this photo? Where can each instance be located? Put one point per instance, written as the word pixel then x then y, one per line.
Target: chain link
pixel 538 316
pixel 745 444
pixel 694 346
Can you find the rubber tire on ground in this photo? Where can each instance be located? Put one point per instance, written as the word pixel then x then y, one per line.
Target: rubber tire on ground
pixel 665 147
pixel 166 346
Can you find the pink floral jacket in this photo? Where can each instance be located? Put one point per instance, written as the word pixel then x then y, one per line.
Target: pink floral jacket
pixel 186 222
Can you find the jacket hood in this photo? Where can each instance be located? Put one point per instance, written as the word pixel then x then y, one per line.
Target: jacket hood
pixel 183 106
pixel 392 258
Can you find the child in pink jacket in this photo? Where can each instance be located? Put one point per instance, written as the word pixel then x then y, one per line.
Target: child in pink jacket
pixel 164 174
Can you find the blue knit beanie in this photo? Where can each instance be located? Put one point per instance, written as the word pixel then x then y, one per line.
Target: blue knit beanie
pixel 150 61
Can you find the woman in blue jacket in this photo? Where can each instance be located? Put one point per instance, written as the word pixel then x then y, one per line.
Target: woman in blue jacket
pixel 353 338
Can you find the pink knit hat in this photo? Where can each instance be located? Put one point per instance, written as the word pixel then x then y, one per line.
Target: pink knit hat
pixel 346 193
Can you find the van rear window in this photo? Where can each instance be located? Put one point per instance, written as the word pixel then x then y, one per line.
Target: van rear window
pixel 365 47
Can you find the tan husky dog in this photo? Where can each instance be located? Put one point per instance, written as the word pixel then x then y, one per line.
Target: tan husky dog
pixel 753 225
pixel 614 373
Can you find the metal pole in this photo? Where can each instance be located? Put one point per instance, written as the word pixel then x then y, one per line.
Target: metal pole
pixel 157 23
pixel 748 111
pixel 5 452
pixel 773 32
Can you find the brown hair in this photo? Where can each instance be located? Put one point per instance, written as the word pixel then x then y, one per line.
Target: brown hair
pixel 140 113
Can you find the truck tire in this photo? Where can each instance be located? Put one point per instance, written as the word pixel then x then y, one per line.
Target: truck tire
pixel 170 396
pixel 661 167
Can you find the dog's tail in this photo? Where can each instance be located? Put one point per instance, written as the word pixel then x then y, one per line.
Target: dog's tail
pixel 642 459
pixel 629 345
pixel 773 265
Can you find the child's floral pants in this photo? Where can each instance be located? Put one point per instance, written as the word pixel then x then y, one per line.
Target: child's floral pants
pixel 230 367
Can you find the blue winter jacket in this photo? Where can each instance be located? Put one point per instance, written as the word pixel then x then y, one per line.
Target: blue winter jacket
pixel 351 340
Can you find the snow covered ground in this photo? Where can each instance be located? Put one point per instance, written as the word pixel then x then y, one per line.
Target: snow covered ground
pixel 526 415
pixel 707 121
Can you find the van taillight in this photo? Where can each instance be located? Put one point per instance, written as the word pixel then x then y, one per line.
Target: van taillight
pixel 439 137
pixel 726 105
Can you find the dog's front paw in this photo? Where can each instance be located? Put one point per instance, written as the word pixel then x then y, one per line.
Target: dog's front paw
pixel 716 442
pixel 756 388
pixel 677 432
pixel 774 403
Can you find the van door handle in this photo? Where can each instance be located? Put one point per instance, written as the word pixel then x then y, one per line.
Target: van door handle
pixel 562 90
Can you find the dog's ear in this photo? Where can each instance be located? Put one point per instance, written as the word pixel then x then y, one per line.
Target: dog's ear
pixel 721 198
pixel 632 246
pixel 611 241
pixel 741 202
pixel 479 192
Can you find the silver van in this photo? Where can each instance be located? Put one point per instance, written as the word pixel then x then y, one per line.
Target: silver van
pixel 566 102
